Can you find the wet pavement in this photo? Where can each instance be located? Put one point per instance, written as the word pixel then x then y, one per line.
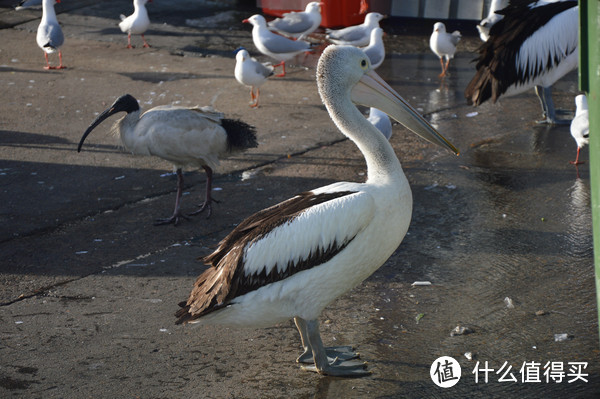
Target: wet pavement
pixel 502 232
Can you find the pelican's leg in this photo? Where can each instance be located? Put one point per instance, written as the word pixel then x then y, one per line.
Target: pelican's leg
pixel 549 113
pixel 129 41
pixel 208 200
pixel 333 352
pixel 145 43
pixel 177 212
pixel 322 365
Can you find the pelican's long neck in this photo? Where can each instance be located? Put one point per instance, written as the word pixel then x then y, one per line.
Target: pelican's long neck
pixel 382 162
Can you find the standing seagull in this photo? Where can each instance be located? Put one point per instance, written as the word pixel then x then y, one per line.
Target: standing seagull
pixel 443 44
pixel 486 24
pixel 195 137
pixel 376 50
pixel 299 24
pixel 533 45
pixel 137 23
pixel 251 73
pixel 291 260
pixel 357 35
pixel 275 46
pixel 580 126
pixel 49 35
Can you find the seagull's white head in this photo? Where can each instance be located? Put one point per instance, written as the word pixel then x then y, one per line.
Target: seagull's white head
pixel 439 27
pixel 313 6
pixel 257 20
pixel 373 18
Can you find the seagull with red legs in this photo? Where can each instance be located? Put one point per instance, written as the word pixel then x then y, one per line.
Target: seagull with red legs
pixel 49 35
pixel 137 23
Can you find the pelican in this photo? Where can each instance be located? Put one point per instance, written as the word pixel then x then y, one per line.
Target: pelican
pixel 532 46
pixel 376 50
pixel 49 35
pixel 443 44
pixel 137 23
pixel 486 24
pixel 294 258
pixel 357 35
pixel 580 126
pixel 275 46
pixel 381 121
pixel 299 24
pixel 183 136
pixel 251 73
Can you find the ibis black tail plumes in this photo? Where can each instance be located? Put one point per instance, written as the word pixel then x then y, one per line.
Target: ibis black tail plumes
pixel 240 135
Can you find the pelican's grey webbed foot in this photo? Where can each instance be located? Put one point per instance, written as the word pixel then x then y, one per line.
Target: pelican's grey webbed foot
pixel 334 361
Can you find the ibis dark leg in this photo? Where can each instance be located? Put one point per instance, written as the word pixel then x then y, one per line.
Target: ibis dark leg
pixel 208 197
pixel 323 363
pixel 177 212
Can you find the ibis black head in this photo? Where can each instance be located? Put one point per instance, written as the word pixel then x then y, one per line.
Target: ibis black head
pixel 126 103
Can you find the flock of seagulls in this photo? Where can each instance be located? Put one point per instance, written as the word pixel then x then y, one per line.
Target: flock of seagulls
pixel 293 259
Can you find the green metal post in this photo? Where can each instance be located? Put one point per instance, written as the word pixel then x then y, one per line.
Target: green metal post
pixel 589 82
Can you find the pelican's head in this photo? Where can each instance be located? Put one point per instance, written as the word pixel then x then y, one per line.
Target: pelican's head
pixel 345 71
pixel 439 27
pixel 256 20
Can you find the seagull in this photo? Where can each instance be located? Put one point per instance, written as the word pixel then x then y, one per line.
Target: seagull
pixel 443 44
pixel 357 35
pixel 299 24
pixel 49 35
pixel 376 50
pixel 580 125
pixel 486 24
pixel 532 46
pixel 24 4
pixel 381 121
pixel 251 73
pixel 275 46
pixel 137 23
pixel 195 137
pixel 294 258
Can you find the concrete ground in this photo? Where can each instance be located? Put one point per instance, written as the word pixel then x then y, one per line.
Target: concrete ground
pixel 90 286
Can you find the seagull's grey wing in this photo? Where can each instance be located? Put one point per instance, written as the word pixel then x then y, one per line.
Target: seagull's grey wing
pixel 349 34
pixel 54 35
pixel 263 70
pixel 455 37
pixel 375 55
pixel 292 23
pixel 279 44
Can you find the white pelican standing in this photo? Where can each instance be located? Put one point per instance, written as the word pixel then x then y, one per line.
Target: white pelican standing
pixel 299 24
pixel 195 137
pixel 532 46
pixel 486 24
pixel 137 23
pixel 376 50
pixel 49 35
pixel 357 35
pixel 291 260
pixel 443 44
pixel 251 73
pixel 580 126
pixel 275 46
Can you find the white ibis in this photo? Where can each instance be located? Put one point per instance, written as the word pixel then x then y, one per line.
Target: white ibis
pixel 443 44
pixel 251 73
pixel 532 46
pixel 275 46
pixel 137 23
pixel 381 121
pixel 376 50
pixel 486 24
pixel 291 260
pixel 195 137
pixel 580 125
pixel 299 24
pixel 49 34
pixel 357 35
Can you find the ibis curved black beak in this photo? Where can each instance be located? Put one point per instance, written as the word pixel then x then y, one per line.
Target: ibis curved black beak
pixel 104 115
pixel 126 103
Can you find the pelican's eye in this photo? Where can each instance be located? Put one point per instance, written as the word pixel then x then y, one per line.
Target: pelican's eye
pixel 364 64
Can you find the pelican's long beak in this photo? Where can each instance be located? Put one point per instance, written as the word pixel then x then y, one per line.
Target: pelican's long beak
pixel 106 114
pixel 372 91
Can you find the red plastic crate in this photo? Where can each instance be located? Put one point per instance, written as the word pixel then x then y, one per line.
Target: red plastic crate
pixel 335 13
